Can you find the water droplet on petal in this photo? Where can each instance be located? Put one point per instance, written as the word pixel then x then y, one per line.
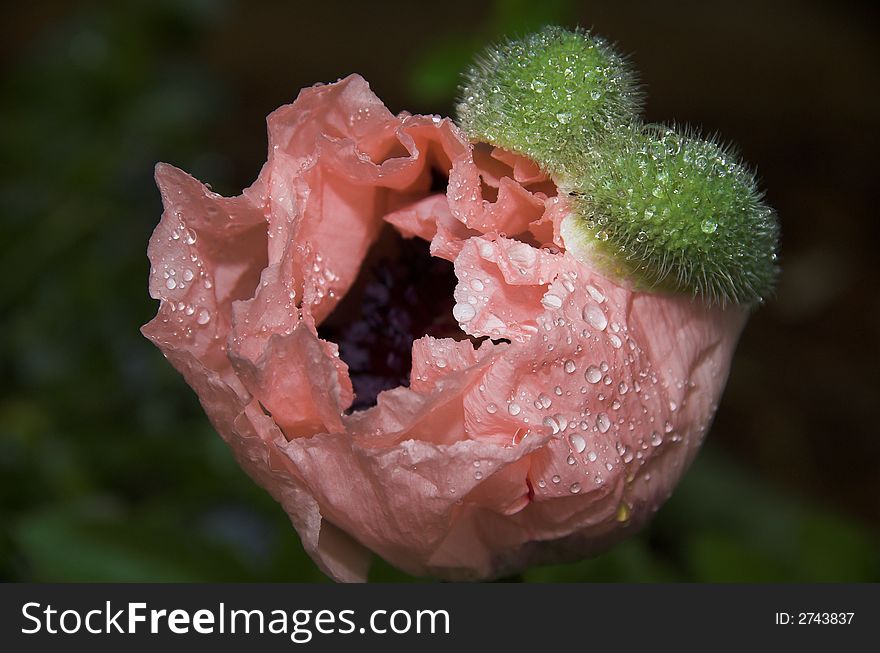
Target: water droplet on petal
pixel 578 443
pixel 463 312
pixel 551 301
pixel 596 294
pixel 595 317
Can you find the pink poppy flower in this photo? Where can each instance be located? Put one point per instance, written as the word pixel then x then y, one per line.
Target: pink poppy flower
pixel 551 411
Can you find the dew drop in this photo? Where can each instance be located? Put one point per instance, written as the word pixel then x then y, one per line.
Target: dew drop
pixel 596 294
pixel 578 443
pixel 570 366
pixel 463 312
pixel 514 409
pixel 603 423
pixel 552 424
pixel 575 488
pixel 551 301
pixel 593 374
pixel 203 317
pixel 491 409
pixel 595 317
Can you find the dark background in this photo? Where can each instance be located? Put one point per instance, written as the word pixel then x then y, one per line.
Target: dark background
pixel 109 470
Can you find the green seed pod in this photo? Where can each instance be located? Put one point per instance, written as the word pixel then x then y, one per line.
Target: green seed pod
pixel 672 212
pixel 548 96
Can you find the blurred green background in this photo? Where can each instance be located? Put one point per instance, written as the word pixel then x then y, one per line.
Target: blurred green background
pixel 109 469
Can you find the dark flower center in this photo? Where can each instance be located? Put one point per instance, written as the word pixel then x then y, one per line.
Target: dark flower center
pixel 401 293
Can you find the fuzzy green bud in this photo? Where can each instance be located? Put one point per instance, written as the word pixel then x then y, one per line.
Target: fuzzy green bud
pixel 673 212
pixel 548 96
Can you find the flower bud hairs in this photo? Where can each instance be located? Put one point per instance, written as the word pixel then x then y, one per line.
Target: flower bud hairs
pixel 656 205
pixel 466 348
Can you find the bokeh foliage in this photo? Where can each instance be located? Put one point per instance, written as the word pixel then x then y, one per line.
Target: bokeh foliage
pixel 109 470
